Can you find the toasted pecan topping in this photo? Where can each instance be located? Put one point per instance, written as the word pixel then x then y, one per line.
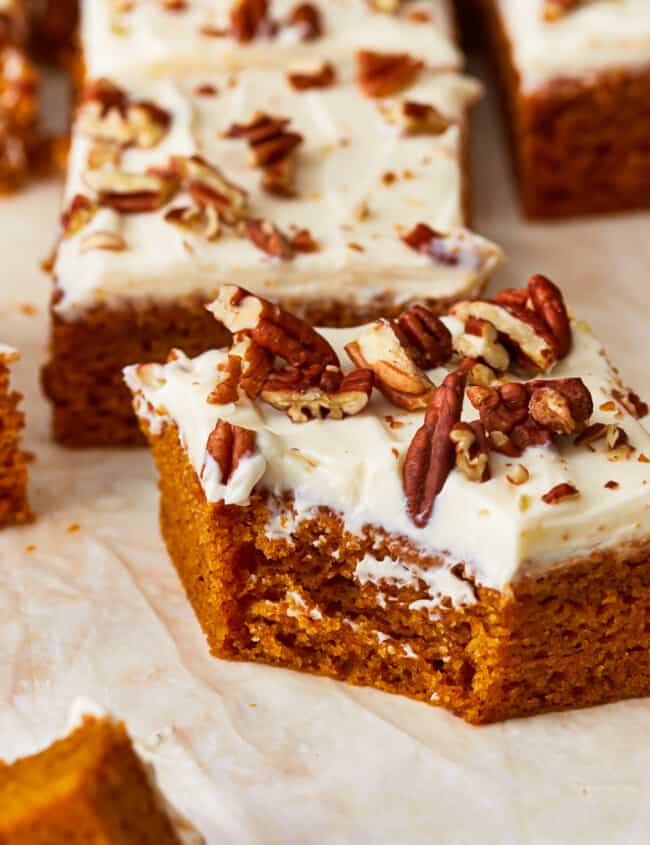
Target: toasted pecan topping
pixel 200 219
pixel 631 402
pixel 553 10
pixel 302 241
pixel 228 444
pixel 269 239
pixel 77 215
pixel 402 382
pixel 560 493
pixel 431 455
pixel 272 147
pixel 207 186
pixel 424 336
pixel 323 75
pixel 480 341
pixel 307 19
pixel 106 114
pixel 455 248
pixel 227 390
pixel 131 193
pixel 271 327
pixel 385 74
pixel 417 118
pixel 102 240
pixel 249 19
pixel 317 392
pixel 472 450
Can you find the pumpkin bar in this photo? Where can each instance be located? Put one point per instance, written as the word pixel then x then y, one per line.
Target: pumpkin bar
pixel 90 786
pixel 14 507
pixel 451 508
pixel 575 79
pixel 341 199
pixel 18 97
pixel 158 39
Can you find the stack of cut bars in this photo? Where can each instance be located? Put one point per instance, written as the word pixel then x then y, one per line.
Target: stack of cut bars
pixel 296 149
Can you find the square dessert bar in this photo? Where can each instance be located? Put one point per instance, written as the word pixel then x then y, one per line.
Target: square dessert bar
pixel 455 509
pixel 18 97
pixel 575 78
pixel 156 39
pixel 14 507
pixel 90 786
pixel 325 190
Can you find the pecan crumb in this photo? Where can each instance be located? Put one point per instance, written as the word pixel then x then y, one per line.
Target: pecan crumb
pixel 612 485
pixel 560 493
pixel 385 74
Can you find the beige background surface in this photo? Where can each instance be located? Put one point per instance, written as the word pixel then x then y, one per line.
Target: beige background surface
pixel 256 755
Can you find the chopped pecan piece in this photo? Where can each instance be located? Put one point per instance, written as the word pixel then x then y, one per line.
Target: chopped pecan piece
pixel 102 240
pixel 425 337
pixel 272 148
pixel 318 392
pixel 553 10
pixel 249 19
pixel 454 248
pixel 207 186
pixel 227 390
pixel 560 493
pixel 480 341
pixel 518 475
pixel 269 239
pixel 77 215
pixel 302 241
pixel 323 75
pixel 202 220
pixel 307 19
pixel 228 444
pixel 106 114
pixel 472 450
pixel 562 406
pixel 388 7
pixel 431 455
pixel 417 118
pixel 385 74
pixel 397 376
pixel 271 327
pixel 631 402
pixel 500 408
pixel 256 364
pixel 131 193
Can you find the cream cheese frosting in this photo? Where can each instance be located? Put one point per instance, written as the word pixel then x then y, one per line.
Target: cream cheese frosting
pixel 500 530
pixel 359 183
pixel 145 37
pixel 599 36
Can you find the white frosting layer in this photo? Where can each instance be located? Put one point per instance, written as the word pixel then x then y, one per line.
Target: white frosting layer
pixel 348 148
pixel 149 39
pixel 603 35
pixel 499 529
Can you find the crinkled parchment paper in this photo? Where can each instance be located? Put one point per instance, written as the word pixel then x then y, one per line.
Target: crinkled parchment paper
pixel 89 605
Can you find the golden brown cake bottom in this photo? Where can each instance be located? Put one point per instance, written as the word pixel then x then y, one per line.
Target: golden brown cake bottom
pixel 83 377
pixel 580 146
pixel 14 507
pixel 574 636
pixel 90 787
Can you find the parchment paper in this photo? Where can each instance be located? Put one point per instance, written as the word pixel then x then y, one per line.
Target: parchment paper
pixel 90 605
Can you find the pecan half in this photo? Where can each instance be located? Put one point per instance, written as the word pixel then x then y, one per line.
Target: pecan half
pixel 271 327
pixel 560 493
pixel 396 375
pixel 431 455
pixel 249 19
pixel 106 114
pixel 417 118
pixel 77 215
pixel 472 450
pixel 307 19
pixel 255 367
pixel 207 186
pixel 272 148
pixel 547 300
pixel 562 406
pixel 480 341
pixel 318 393
pixel 322 75
pixel 131 193
pixel 385 74
pixel 425 337
pixel 228 444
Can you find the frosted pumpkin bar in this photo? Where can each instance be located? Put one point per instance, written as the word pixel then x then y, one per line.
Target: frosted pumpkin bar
pixel 452 508
pixel 340 202
pixel 90 786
